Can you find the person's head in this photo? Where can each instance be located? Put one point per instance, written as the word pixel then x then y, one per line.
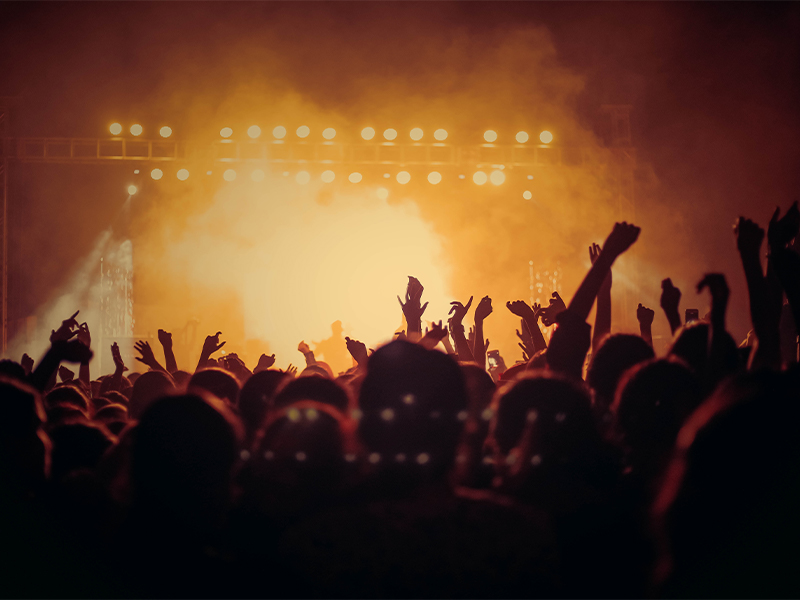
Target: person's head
pixel 12 370
pixel 413 404
pixel 149 387
pixel 256 398
pixel 78 446
pixel 319 369
pixel 319 389
pixel 728 505
pixel 184 450
pixel 653 400
pixel 691 346
pixel 181 379
pixel 218 382
pixel 24 446
pixel 111 415
pixel 617 353
pixel 116 398
pixel 68 395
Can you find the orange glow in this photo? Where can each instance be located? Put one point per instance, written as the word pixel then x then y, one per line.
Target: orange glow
pixel 156 174
pixel 226 132
pixel 490 136
pixel 329 133
pixel 527 195
pixel 480 177
pixel 115 129
pixel 132 190
pixel 390 134
pixel 355 177
pixel 303 177
pixel 257 175
pixel 165 132
pixel 328 176
pixel 440 135
pixel 229 175
pixel 522 137
pixel 254 131
pixel 434 177
pixel 183 174
pixel 136 130
pixel 416 134
pixel 303 131
pixel 382 193
pixel 368 133
pixel 546 137
pixel 403 177
pixel 497 177
pixel 279 132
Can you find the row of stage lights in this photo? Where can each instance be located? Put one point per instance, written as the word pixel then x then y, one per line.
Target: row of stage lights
pixel 368 133
pixel 495 177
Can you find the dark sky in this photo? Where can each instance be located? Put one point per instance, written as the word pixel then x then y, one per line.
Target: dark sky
pixel 715 86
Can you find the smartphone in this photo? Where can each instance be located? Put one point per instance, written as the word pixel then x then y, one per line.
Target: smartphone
pixel 492 362
pixel 692 314
pixel 492 356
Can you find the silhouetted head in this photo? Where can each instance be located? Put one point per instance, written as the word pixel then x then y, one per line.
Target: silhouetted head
pixel 68 395
pixel 78 446
pixel 148 388
pixel 653 400
pixel 112 413
pixel 319 369
pixel 24 446
pixel 617 353
pixel 728 506
pixel 184 449
pixel 318 389
pixel 12 370
pixel 218 382
pixel 116 398
pixel 256 398
pixel 414 404
pixel 691 346
pixel 181 380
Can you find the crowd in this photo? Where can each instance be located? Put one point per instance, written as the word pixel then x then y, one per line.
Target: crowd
pixel 420 472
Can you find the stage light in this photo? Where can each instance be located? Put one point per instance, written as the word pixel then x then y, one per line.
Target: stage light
pixel 382 193
pixel 229 175
pixel 527 195
pixel 479 177
pixel 156 174
pixel 530 177
pixel 462 176
pixel 355 177
pixel 387 175
pixel 390 134
pixel 403 177
pixel 546 137
pixel 165 132
pixel 329 133
pixel 279 132
pixel 183 174
pixel 416 134
pixel 440 134
pixel 132 190
pixel 254 131
pixel 368 133
pixel 328 176
pixel 209 172
pixel 136 129
pixel 226 132
pixel 490 136
pixel 115 129
pixel 136 171
pixel 257 175
pixel 303 131
pixel 497 177
pixel 434 177
pixel 303 177
pixel 522 137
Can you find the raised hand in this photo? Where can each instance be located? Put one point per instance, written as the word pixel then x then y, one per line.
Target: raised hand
pixel 147 357
pixel 118 362
pixel 291 370
pixel 749 236
pixel 264 363
pixel 73 351
pixel 212 344
pixel 522 310
pixel 594 253
pixel 644 315
pixel 783 230
pixel 165 339
pixel 69 327
pixel 549 313
pixel 358 350
pixel 65 374
pixel 303 347
pixel 434 335
pixel 83 335
pixel 458 311
pixel 412 308
pixel 27 364
pixel 526 343
pixel 484 308
pixel 620 239
pixel 718 286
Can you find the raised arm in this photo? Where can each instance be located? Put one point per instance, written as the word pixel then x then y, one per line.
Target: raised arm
pixel 83 372
pixel 602 319
pixel 783 260
pixel 530 317
pixel 458 311
pixel 165 338
pixel 211 345
pixel 645 317
pixel 670 301
pixel 308 353
pixel 147 357
pixel 483 310
pixel 412 308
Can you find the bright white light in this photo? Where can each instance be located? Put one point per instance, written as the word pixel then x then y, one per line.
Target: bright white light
pixel 226 132
pixel 328 176
pixel 440 134
pixel 368 133
pixel 390 134
pixel 546 137
pixel 229 175
pixel 497 177
pixel 279 132
pixel 254 131
pixel 115 129
pixel 183 174
pixel 329 133
pixel 132 190
pixel 257 175
pixel 403 177
pixel 156 174
pixel 136 171
pixel 382 193
pixel 165 131
pixel 355 177
pixel 136 130
pixel 527 195
pixel 416 134
pixel 522 137
pixel 490 136
pixel 303 131
pixel 479 177
pixel 434 177
pixel 303 177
